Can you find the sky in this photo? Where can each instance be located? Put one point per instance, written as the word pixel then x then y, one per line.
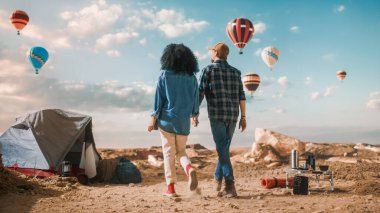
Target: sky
pixel 104 62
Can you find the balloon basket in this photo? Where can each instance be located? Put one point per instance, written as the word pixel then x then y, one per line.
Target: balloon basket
pixel 18 32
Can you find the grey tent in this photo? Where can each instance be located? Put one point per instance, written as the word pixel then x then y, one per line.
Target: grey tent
pixel 41 140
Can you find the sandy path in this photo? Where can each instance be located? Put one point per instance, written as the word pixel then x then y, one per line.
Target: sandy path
pixel 147 197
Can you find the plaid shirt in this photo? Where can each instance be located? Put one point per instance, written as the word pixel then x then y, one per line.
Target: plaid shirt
pixel 222 85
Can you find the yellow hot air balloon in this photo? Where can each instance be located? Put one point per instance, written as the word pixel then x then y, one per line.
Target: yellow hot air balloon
pixel 341 74
pixel 251 81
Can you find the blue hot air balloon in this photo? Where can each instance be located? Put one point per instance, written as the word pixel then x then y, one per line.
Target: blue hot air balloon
pixel 38 57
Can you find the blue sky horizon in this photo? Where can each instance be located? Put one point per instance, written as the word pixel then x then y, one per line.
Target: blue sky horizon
pixel 104 62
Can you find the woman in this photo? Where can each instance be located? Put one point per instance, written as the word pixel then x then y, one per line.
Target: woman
pixel 176 101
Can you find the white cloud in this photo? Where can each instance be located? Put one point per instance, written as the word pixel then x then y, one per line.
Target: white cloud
pixel 279 94
pixel 110 40
pixel 51 38
pixel 308 80
pixel 374 100
pixel 113 53
pixel 295 29
pixel 329 57
pixel 265 81
pixel 256 40
pixel 201 56
pixel 315 95
pixel 4 20
pixel 260 27
pixel 339 8
pixel 283 81
pixel 279 110
pixel 171 22
pixel 73 86
pixel 329 91
pixel 142 41
pixel 258 51
pixel 10 68
pixel 284 84
pixel 375 95
pixel 22 88
pixel 92 19
pixel 318 95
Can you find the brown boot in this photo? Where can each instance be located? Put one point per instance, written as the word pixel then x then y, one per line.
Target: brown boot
pixel 230 189
pixel 217 185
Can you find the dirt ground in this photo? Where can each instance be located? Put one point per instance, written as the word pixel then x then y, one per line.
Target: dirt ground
pixel 357 189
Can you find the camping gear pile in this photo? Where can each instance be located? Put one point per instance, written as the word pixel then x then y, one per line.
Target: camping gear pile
pixel 38 142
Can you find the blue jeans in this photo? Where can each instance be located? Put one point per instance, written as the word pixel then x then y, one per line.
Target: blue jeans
pixel 222 133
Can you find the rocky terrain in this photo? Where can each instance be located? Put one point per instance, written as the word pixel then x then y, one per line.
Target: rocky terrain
pixel 356 168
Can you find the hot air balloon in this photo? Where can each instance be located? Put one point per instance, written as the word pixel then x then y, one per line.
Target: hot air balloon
pixel 251 81
pixel 270 56
pixel 37 57
pixel 240 31
pixel 19 19
pixel 341 74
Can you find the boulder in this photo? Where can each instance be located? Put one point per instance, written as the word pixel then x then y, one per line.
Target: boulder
pixel 364 146
pixel 195 146
pixel 273 146
pixel 155 161
pixel 343 159
pixel 326 150
pixel 197 150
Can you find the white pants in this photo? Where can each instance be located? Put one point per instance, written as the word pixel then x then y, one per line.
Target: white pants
pixel 173 146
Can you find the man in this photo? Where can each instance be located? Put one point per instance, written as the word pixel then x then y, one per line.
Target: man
pixel 222 85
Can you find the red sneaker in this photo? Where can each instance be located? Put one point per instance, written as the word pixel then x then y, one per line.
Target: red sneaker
pixel 193 181
pixel 170 192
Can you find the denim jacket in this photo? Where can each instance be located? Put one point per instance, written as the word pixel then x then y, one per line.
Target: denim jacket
pixel 176 101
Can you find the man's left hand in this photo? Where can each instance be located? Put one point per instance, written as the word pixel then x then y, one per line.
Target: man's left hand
pixel 242 124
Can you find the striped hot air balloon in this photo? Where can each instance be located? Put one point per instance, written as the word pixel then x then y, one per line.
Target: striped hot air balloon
pixel 270 56
pixel 251 81
pixel 240 31
pixel 37 57
pixel 341 74
pixel 19 19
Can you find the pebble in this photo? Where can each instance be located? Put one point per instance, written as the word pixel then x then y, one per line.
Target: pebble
pixel 177 199
pixel 302 207
pixel 259 198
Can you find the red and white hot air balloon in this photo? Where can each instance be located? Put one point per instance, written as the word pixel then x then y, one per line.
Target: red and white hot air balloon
pixel 19 19
pixel 240 31
pixel 341 74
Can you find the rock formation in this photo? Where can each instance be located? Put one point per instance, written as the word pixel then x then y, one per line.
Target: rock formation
pixel 274 148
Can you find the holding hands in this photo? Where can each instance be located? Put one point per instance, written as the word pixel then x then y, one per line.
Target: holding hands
pixel 194 121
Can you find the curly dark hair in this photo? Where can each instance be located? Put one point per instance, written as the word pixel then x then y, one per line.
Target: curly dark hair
pixel 180 59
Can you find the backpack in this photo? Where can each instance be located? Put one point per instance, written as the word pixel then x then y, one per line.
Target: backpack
pixel 126 172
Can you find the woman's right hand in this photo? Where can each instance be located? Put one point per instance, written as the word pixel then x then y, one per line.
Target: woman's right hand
pixel 194 121
pixel 151 124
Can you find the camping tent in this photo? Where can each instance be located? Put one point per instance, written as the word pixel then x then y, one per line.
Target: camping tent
pixel 38 142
